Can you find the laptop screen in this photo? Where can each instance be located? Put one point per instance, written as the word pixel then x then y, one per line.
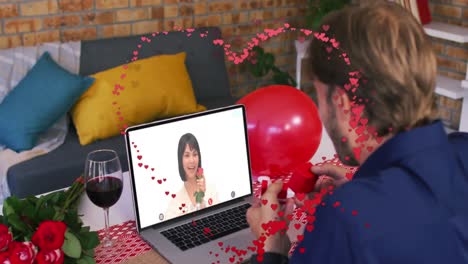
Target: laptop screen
pixel 187 164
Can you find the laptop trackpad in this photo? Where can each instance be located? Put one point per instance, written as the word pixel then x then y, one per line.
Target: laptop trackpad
pixel 211 252
pixel 230 249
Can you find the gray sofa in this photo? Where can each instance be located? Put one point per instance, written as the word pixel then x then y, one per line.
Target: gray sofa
pixel 206 66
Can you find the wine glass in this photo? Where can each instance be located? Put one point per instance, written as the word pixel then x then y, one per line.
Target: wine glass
pixel 104 183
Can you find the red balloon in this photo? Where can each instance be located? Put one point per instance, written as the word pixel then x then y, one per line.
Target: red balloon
pixel 284 129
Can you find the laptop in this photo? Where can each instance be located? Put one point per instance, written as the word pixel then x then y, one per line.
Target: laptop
pixel 192 185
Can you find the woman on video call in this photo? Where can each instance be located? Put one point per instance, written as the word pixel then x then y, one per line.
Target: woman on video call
pixel 191 173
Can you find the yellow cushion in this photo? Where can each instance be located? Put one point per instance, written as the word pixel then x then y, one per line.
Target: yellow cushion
pixel 154 88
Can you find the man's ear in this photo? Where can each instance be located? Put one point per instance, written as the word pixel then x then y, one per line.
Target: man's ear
pixel 341 99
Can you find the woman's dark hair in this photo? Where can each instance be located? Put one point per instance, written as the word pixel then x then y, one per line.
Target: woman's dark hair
pixel 193 144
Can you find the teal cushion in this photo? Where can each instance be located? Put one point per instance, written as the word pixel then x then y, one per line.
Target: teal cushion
pixel 44 95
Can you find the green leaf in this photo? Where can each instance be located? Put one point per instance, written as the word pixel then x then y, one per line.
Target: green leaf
pixel 29 211
pixel 85 229
pixel 86 260
pixel 16 223
pixel 71 246
pixel 89 240
pixel 269 61
pixel 11 205
pixel 89 252
pixel 46 213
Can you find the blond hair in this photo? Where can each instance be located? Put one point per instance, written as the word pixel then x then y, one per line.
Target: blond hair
pixel 396 59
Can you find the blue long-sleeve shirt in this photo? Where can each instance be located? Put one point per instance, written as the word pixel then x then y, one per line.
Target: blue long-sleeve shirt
pixel 410 203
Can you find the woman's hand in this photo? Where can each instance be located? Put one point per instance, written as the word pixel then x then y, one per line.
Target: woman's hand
pixel 201 183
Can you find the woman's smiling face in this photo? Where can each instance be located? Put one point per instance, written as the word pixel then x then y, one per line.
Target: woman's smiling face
pixel 190 161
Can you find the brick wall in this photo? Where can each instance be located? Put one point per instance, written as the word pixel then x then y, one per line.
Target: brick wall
pixel 29 22
pixel 452 57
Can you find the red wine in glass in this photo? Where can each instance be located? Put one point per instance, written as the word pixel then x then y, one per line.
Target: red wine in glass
pixel 104 183
pixel 104 191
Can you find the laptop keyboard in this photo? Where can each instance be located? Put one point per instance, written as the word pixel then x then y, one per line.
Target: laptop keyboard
pixel 190 235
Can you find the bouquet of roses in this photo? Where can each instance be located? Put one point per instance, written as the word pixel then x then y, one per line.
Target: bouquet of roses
pixel 199 194
pixel 46 230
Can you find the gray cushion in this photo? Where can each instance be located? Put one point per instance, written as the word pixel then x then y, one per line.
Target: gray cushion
pixel 60 167
pixel 205 61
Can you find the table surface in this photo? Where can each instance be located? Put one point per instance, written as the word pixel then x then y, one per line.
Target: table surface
pixel 122 211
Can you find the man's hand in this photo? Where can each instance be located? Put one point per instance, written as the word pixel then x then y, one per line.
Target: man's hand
pixel 329 175
pixel 336 176
pixel 261 213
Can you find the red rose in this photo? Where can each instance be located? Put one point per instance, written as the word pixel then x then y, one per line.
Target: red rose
pixel 50 235
pixel 50 257
pixel 22 253
pixel 5 237
pixel 200 172
pixel 5 258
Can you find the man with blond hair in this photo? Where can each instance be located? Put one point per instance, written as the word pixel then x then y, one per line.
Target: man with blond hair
pixel 375 72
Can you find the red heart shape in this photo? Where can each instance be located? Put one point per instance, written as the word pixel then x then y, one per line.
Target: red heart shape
pixel 297 226
pixel 135 146
pixel 220 244
pixel 302 250
pixel 173 195
pixel 146 166
pixel 139 157
pixel 183 205
pixel 152 169
pixel 280 213
pixel 274 207
pixel 180 208
pixel 310 228
pixel 167 193
pixel 264 202
pixel 140 164
pixel 300 196
pixel 300 237
pixel 159 181
pixel 152 178
pixel 232 259
pixel 164 179
pixel 216 254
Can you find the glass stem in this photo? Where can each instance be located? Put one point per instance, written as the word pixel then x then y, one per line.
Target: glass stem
pixel 107 240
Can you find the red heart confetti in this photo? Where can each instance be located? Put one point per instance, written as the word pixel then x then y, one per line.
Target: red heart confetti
pixel 275 226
